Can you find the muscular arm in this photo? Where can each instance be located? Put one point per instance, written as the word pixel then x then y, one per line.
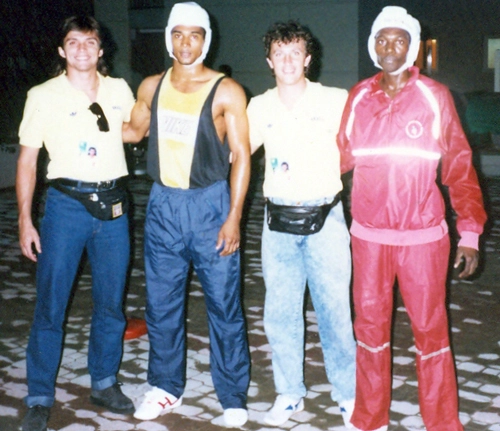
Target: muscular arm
pixel 233 100
pixel 25 187
pixel 137 128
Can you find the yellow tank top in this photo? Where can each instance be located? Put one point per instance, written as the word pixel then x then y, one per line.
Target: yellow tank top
pixel 178 120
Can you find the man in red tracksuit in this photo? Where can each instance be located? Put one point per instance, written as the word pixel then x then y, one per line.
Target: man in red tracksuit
pixel 397 128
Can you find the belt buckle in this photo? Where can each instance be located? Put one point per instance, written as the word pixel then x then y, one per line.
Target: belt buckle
pixel 104 184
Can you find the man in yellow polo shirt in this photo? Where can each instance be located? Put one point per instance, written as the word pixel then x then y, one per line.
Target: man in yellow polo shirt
pixel 297 122
pixel 78 117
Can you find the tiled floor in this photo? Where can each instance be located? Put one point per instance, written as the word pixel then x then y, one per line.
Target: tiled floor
pixel 474 313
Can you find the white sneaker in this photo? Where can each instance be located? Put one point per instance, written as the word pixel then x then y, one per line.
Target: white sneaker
pixel 284 407
pixel 235 418
pixel 346 409
pixel 156 402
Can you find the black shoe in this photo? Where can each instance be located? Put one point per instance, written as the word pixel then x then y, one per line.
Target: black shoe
pixel 113 399
pixel 36 419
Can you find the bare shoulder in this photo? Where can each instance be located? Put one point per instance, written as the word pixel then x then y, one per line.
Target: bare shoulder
pixel 148 87
pixel 230 91
pixel 152 80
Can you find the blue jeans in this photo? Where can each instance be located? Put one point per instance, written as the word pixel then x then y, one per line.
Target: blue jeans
pixel 182 227
pixel 67 229
pixel 323 261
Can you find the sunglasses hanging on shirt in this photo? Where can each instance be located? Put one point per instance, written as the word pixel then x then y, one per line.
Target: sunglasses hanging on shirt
pixel 102 121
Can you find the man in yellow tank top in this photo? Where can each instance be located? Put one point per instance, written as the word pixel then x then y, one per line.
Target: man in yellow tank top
pixel 196 119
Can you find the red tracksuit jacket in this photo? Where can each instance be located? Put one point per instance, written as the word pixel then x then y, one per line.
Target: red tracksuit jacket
pixel 396 147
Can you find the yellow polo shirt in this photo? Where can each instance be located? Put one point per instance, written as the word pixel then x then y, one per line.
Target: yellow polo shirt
pixel 57 115
pixel 301 153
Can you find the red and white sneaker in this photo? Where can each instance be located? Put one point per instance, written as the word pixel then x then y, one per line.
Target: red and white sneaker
pixel 156 402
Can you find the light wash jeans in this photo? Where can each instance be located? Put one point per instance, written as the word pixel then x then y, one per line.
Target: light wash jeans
pixel 323 260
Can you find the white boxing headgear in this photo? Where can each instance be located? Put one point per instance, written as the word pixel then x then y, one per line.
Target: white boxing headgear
pixel 191 14
pixel 396 17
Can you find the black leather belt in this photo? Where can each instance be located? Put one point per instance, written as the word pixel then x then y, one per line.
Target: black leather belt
pixel 102 185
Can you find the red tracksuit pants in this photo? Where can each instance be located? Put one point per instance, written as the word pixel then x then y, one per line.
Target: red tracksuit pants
pixel 421 273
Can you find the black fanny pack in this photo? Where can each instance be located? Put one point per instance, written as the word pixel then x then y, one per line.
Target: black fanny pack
pixel 106 204
pixel 298 220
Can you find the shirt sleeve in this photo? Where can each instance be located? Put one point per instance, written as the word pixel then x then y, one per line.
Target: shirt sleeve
pixel 459 175
pixel 128 101
pixel 31 130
